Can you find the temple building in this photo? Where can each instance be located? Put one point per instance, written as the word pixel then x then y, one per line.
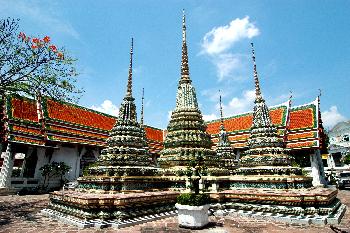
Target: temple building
pixel 38 131
pixel 339 140
pixel 43 130
pixel 128 172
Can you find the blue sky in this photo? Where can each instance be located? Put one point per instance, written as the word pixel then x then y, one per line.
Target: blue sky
pixel 301 46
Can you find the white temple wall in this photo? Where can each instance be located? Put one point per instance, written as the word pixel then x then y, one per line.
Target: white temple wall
pixel 42 160
pixel 68 155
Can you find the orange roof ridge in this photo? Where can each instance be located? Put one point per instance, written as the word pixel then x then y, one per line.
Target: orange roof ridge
pixel 284 104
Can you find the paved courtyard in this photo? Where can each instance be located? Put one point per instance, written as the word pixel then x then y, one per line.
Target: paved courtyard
pixel 22 214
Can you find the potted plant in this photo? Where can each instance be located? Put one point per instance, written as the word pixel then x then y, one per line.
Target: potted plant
pixel 193 206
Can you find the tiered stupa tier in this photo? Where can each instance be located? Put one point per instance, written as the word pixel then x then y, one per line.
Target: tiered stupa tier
pixel 224 149
pixel 126 150
pixel 265 147
pixel 126 154
pixel 186 137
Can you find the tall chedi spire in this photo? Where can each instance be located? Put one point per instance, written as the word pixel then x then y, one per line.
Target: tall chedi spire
pixel 265 147
pixel 223 149
pixel 126 145
pixel 186 137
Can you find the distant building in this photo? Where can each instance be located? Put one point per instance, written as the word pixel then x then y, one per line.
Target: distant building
pixel 339 143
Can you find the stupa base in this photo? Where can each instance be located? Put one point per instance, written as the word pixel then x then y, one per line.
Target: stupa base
pixel 304 206
pixel 119 206
pixel 114 223
pixel 330 219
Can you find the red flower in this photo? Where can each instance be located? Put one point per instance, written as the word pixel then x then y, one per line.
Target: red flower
pixel 34 47
pixel 46 39
pixel 35 40
pixel 53 48
pixel 22 35
pixel 60 55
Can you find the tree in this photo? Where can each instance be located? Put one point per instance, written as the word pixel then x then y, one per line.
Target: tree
pixel 54 169
pixel 30 65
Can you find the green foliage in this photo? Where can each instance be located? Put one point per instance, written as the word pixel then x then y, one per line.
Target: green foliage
pixel 32 65
pixel 193 199
pixel 54 169
pixel 347 159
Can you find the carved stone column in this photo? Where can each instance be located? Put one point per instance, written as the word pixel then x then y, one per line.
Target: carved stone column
pixel 6 169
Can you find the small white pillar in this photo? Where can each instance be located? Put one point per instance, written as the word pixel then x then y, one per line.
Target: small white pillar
pixel 6 169
pixel 214 186
pixel 27 155
pixel 330 161
pixel 317 170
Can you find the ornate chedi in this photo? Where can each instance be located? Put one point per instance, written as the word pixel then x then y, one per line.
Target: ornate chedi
pixel 186 137
pixel 265 147
pixel 267 186
pixel 122 184
pixel 224 149
pixel 267 154
pixel 127 151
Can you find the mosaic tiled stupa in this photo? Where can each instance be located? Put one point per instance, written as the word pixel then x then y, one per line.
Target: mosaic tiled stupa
pixel 186 137
pixel 267 154
pixel 126 153
pixel 224 149
pixel 268 186
pixel 122 184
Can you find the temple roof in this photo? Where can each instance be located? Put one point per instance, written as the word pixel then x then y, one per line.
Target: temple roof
pixel 62 122
pixel 299 126
pixel 66 122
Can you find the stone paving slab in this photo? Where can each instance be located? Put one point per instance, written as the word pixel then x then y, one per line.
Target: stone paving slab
pixel 22 214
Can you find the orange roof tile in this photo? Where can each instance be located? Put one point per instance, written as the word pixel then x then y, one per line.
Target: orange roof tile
pixel 302 118
pixel 78 115
pixel 25 109
pixel 244 122
pixel 154 134
pixel 296 136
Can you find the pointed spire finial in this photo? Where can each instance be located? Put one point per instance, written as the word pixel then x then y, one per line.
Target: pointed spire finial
pixel 143 97
pixel 183 26
pixel 185 73
pixel 221 114
pixel 290 95
pixel 258 97
pixel 129 87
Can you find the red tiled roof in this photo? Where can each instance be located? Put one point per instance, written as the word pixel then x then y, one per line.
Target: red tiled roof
pixel 154 134
pixel 25 109
pixel 304 144
pixel 78 115
pixel 302 118
pixel 296 136
pixel 244 122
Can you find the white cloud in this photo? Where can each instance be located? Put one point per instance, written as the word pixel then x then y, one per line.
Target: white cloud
pixel 224 37
pixel 107 107
pixel 331 117
pixel 217 44
pixel 42 13
pixel 241 104
pixel 214 94
pixel 233 66
pixel 209 117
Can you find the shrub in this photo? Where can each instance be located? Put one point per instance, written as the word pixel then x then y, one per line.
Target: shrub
pixel 193 199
